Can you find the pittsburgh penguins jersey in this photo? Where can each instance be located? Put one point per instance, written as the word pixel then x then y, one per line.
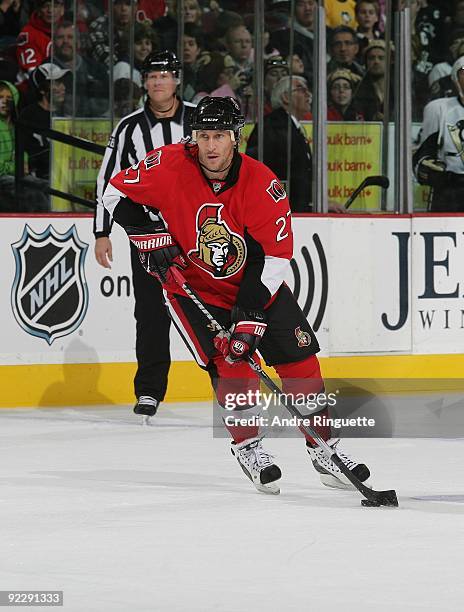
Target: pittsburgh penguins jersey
pixel 132 139
pixel 237 236
pixel 443 134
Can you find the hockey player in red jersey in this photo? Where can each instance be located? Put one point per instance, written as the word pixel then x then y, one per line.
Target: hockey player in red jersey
pixel 225 220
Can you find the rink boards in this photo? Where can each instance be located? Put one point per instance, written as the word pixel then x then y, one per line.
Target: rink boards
pixel 384 294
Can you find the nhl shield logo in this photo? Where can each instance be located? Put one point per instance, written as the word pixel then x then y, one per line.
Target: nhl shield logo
pixel 50 296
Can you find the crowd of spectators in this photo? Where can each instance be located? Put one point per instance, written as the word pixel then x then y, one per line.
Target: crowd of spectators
pixel 102 72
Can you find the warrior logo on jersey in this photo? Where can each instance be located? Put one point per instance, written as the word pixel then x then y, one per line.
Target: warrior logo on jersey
pixel 219 251
pixel 304 339
pixel 276 191
pixel 457 136
pixel 49 297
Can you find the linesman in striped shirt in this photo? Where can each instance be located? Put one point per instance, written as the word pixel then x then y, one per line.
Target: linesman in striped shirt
pixel 164 119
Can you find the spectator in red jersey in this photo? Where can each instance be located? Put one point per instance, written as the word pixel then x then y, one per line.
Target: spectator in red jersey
pixel 34 42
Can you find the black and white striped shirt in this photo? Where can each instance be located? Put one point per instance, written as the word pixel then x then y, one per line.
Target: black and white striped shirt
pixel 132 139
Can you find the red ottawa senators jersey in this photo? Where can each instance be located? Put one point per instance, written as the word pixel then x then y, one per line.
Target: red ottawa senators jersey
pixel 238 241
pixel 33 44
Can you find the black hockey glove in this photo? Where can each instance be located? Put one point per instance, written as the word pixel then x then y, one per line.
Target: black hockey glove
pixel 431 172
pixel 158 250
pixel 247 329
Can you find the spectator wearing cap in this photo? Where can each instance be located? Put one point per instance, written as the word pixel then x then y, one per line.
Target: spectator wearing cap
pixel 303 28
pixel 341 85
pixel 274 69
pixel 344 48
pixel 50 82
pixel 91 78
pixel 34 40
pixel 123 14
pixel 370 94
pixel 340 13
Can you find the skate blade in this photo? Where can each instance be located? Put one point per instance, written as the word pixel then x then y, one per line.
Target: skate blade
pixel 270 489
pixel 332 482
pixel 146 421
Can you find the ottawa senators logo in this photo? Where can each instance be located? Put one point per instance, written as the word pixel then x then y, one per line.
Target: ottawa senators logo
pixel 276 191
pixel 219 251
pixel 304 339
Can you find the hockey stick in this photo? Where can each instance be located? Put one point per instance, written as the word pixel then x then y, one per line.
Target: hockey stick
pixel 378 181
pixel 372 498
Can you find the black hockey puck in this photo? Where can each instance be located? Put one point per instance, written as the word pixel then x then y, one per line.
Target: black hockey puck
pixel 369 503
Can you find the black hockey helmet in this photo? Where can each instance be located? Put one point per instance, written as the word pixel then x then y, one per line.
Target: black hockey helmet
pixel 162 61
pixel 218 114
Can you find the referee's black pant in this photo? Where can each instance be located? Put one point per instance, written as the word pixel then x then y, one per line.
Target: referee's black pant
pixel 152 333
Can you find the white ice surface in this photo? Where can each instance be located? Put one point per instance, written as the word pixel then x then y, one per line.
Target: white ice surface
pixel 126 518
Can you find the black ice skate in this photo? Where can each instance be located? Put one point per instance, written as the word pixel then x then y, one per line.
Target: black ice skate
pixel 257 464
pixel 147 407
pixel 329 473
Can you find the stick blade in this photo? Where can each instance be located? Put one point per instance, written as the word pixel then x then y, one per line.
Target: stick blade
pixel 379 181
pixel 383 498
